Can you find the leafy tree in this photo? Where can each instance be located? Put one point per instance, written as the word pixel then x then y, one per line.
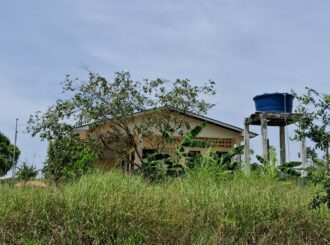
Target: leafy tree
pixel 315 108
pixel 99 102
pixel 68 158
pixel 7 150
pixel 26 172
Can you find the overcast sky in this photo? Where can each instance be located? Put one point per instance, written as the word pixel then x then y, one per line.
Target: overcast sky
pixel 247 47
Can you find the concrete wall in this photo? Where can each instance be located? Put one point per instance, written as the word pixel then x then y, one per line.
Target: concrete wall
pixel 221 138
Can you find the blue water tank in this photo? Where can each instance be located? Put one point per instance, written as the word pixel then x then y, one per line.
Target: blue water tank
pixel 274 102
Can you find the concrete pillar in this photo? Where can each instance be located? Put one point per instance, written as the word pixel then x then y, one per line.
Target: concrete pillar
pixel 246 148
pixel 264 138
pixel 303 150
pixel 282 145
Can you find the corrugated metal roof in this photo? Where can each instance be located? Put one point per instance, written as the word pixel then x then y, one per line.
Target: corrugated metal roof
pixel 218 123
pixel 193 115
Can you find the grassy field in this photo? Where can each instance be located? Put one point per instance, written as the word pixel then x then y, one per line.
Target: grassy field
pixel 201 208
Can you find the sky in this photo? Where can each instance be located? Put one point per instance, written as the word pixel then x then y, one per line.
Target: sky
pixel 247 47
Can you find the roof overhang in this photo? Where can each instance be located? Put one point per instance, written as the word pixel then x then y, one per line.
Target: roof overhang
pixel 189 114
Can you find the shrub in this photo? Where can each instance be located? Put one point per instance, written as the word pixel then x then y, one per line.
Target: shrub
pixel 26 172
pixel 68 158
pixel 322 197
pixel 316 174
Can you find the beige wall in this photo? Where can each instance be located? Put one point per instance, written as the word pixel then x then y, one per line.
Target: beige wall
pixel 214 131
pixel 221 138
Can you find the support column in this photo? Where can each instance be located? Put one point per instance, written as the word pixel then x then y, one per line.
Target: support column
pixel 264 138
pixel 246 148
pixel 282 145
pixel 303 151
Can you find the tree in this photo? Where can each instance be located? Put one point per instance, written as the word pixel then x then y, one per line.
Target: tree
pixel 315 125
pixel 100 102
pixel 8 154
pixel 68 158
pixel 26 172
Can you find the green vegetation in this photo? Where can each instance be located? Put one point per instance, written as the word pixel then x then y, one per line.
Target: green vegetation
pixel 8 154
pixel 322 197
pixel 202 207
pixel 315 107
pixel 273 170
pixel 197 198
pixel 68 158
pixel 99 101
pixel 26 172
pixel 159 165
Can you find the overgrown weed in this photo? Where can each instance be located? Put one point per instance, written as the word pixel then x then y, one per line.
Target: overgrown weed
pixel 205 206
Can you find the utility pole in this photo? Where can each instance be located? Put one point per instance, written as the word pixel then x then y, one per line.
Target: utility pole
pixel 14 155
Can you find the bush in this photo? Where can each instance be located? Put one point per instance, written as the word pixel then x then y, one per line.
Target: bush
pixel 316 174
pixel 322 197
pixel 26 172
pixel 68 158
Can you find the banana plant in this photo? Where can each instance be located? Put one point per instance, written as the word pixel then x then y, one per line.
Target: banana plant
pixel 158 165
pixel 189 139
pixel 270 165
pixel 225 160
pixel 286 168
pixel 154 164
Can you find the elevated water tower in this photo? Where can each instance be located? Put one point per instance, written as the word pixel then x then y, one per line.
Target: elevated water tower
pixel 273 109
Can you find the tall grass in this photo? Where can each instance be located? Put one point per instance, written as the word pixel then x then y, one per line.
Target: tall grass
pixel 203 207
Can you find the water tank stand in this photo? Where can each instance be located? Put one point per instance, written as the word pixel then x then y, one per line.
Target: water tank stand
pixel 265 119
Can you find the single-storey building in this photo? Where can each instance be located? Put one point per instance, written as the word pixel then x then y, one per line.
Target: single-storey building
pixel 222 136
